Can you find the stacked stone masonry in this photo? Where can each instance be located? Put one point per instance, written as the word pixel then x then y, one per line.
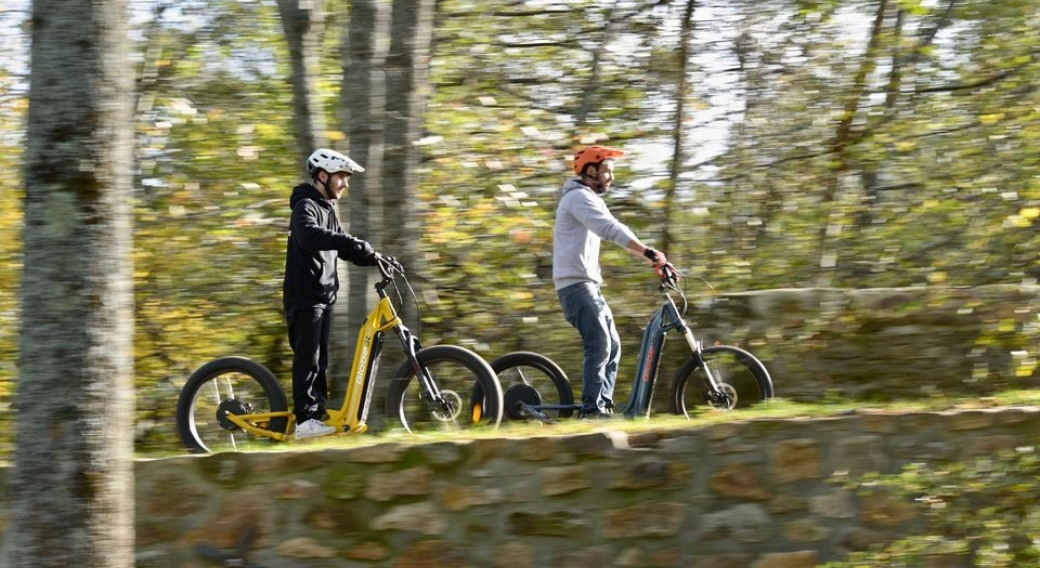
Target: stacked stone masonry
pixel 757 494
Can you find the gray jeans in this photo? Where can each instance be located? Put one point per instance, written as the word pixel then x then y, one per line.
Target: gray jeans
pixel 586 310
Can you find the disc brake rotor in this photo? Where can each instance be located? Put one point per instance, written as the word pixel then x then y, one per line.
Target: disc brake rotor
pixel 726 399
pixel 453 407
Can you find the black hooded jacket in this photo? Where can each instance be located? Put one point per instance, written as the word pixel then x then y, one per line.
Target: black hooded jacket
pixel 316 240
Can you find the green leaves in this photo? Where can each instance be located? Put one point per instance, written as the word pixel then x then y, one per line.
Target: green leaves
pixel 937 180
pixel 983 512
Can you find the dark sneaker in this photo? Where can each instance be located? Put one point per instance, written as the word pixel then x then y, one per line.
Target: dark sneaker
pixel 596 417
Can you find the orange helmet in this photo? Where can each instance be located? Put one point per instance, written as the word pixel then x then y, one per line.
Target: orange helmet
pixel 594 155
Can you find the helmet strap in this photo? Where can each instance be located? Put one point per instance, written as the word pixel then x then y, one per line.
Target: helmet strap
pixel 322 186
pixel 592 181
pixel 586 174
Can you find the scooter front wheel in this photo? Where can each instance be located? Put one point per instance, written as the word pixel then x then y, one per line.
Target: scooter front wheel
pixel 743 381
pixel 468 394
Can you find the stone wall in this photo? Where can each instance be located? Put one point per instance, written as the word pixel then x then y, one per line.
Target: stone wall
pixel 759 494
pixel 870 344
pixel 891 344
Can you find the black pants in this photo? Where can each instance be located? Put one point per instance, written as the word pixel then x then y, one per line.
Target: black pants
pixel 309 329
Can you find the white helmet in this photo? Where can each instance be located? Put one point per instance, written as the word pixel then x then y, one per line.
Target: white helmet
pixel 332 162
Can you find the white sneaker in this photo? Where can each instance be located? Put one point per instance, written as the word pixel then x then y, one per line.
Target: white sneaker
pixel 312 429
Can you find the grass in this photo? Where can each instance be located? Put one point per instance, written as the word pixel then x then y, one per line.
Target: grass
pixel 778 409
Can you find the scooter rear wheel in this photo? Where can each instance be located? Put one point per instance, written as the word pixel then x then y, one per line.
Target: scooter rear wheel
pixel 533 379
pixel 229 385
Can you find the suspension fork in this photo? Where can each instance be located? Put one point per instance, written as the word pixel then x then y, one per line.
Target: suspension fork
pixel 696 347
pixel 412 346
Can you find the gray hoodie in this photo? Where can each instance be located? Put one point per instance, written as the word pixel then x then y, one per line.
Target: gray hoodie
pixel 582 220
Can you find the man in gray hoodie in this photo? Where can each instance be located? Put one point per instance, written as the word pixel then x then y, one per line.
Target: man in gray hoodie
pixel 582 220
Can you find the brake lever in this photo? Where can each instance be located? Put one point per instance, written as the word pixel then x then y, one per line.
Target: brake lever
pixel 389 265
pixel 669 273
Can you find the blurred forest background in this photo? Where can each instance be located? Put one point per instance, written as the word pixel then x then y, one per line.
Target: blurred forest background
pixel 771 144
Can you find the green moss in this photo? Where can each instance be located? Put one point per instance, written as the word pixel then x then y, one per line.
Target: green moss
pixel 229 470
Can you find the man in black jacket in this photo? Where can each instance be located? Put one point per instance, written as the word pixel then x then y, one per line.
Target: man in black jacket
pixel 316 241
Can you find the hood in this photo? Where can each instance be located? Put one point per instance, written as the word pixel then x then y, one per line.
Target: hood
pixel 307 191
pixel 573 184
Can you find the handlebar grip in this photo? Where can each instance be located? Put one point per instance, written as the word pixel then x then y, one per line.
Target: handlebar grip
pixel 667 272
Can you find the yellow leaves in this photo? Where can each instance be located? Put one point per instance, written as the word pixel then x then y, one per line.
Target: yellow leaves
pixel 1026 369
pixel 938 277
pixel 1025 364
pixel 906 145
pixel 522 295
pixel 483 208
pixel 1018 222
pixel 1025 218
pixel 928 51
pixel 991 118
pixel 445 230
pixel 269 130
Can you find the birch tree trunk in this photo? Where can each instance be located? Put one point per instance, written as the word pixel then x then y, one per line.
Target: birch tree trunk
pixel 362 108
pixel 70 494
pixel 408 86
pixel 304 25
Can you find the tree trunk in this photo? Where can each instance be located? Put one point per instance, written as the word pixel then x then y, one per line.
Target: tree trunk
pixel 844 138
pixel 70 495
pixel 362 105
pixel 678 139
pixel 408 86
pixel 869 176
pixel 588 94
pixel 304 25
